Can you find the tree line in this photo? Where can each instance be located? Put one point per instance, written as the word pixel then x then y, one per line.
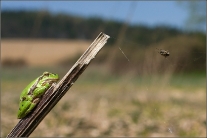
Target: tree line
pixel 42 24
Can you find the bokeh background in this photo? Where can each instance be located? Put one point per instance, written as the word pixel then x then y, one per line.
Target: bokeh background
pixel 147 95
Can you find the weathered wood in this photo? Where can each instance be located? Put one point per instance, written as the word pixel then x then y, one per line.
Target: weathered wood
pixel 28 124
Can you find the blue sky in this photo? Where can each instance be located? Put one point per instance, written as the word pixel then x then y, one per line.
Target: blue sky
pixel 145 12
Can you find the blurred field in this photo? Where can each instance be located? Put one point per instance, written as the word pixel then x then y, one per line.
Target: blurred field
pixel 103 103
pixel 41 52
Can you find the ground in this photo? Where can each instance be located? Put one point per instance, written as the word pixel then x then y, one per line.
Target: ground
pixel 101 103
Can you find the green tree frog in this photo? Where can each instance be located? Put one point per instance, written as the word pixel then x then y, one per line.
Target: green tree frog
pixel 31 95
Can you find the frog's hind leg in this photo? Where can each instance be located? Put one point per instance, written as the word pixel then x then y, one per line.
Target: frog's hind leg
pixel 32 105
pixel 25 107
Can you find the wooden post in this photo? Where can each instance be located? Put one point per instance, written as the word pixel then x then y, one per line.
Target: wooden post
pixel 28 124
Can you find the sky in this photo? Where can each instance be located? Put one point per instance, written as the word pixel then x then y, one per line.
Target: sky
pixel 150 13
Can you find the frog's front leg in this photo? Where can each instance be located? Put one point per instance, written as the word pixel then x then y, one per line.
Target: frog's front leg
pixel 38 92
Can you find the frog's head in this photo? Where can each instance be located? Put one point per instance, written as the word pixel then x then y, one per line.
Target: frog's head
pixel 49 78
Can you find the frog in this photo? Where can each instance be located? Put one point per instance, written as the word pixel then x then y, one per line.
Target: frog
pixel 32 93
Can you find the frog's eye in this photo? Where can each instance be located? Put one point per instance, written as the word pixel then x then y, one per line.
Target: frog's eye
pixel 46 73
